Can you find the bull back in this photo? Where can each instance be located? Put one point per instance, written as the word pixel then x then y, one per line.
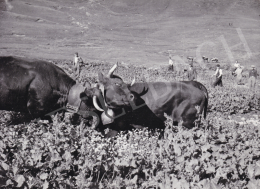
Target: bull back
pixel 177 99
pixel 33 86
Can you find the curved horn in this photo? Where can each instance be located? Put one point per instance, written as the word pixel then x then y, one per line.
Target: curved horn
pixel 133 82
pixel 110 73
pixel 102 88
pixel 96 104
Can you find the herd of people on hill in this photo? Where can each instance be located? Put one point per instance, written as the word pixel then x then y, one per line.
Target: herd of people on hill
pixel 192 73
pixel 236 72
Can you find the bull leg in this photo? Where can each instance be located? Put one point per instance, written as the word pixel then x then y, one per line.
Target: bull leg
pixel 189 118
pixel 35 106
pixel 176 115
pixel 40 99
pixel 184 113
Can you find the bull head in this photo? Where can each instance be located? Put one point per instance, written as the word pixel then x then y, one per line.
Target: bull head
pixel 96 93
pixel 115 96
pixel 115 91
pixel 111 93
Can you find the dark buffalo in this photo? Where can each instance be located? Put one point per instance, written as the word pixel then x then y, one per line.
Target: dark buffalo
pixel 144 104
pixel 38 88
pixel 117 119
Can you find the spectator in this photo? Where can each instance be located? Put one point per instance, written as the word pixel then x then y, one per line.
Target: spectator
pixel 238 74
pixel 236 65
pixel 252 77
pixel 218 75
pixel 77 63
pixel 192 73
pixel 170 64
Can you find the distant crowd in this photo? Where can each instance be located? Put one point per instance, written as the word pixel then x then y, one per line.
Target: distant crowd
pixel 191 73
pixel 237 72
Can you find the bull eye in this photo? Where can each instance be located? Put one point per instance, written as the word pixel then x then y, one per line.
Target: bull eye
pixel 131 97
pixel 117 84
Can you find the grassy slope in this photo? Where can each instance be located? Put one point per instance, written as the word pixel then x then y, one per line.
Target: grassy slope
pixel 136 32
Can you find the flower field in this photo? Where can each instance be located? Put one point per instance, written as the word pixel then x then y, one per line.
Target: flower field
pixel 224 152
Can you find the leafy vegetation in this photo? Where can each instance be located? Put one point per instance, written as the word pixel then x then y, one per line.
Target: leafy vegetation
pixel 222 153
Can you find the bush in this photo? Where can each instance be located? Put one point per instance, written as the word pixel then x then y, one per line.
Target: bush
pixel 220 153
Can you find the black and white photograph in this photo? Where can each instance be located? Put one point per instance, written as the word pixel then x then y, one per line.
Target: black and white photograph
pixel 130 94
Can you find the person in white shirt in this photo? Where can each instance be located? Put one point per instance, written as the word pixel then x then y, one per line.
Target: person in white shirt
pixel 236 65
pixel 218 75
pixel 77 63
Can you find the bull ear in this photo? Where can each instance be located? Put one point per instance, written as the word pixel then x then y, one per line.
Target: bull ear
pixel 83 96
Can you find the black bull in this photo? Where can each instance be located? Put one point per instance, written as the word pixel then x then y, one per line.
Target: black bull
pixel 39 88
pixel 144 104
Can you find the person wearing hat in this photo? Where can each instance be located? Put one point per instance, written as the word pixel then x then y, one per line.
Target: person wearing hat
pixel 236 65
pixel 252 77
pixel 218 75
pixel 238 73
pixel 192 73
pixel 77 61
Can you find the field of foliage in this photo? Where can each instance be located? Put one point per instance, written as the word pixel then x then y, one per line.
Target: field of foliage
pixel 224 152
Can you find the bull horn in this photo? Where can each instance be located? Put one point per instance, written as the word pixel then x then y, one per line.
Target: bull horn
pixel 133 82
pixel 96 104
pixel 101 87
pixel 110 73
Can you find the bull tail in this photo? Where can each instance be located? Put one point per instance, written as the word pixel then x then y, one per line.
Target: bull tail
pixel 205 107
pixel 205 91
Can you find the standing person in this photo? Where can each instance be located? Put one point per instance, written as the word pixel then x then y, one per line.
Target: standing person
pixel 170 64
pixel 192 73
pixel 236 65
pixel 238 73
pixel 252 77
pixel 218 75
pixel 77 63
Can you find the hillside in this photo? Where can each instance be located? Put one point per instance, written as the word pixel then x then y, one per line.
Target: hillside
pixel 135 32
